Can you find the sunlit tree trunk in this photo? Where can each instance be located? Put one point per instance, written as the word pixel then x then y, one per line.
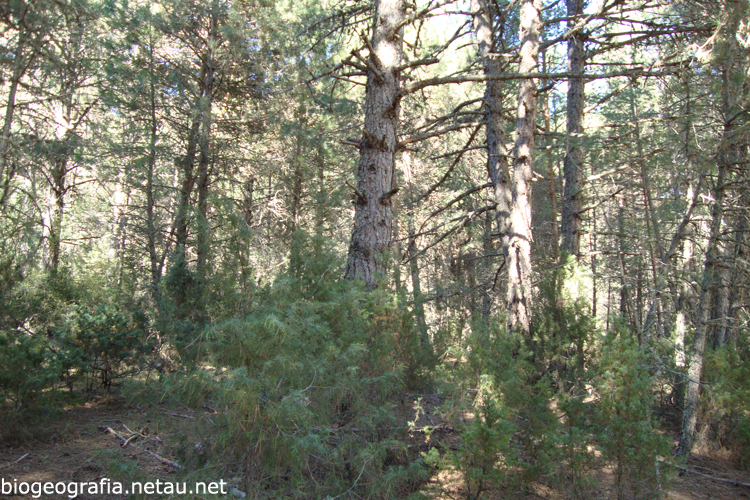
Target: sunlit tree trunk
pixel 19 68
pixel 519 252
pixel 703 315
pixel 373 210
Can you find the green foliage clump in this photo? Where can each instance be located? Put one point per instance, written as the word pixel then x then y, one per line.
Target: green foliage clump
pixel 102 343
pixel 23 367
pixel 726 413
pixel 308 379
pixel 628 434
pixel 508 442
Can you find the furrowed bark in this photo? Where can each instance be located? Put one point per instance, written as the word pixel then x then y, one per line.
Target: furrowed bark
pixel 573 166
pixel 519 252
pixel 373 212
pixel 497 153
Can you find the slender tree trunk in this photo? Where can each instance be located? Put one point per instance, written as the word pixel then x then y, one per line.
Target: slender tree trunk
pixel 57 210
pixel 721 302
pixel 703 314
pixel 373 210
pixel 19 68
pixel 151 230
pixel 412 251
pixel 297 186
pixel 186 189
pixel 684 298
pixel 197 136
pixel 247 201
pixel 206 159
pixel 683 302
pixel 488 250
pixel 551 190
pixel 321 196
pixel 498 166
pixel 183 207
pixel 710 277
pixel 64 143
pixel 573 165
pixel 622 246
pixel 519 254
pixel 738 290
pixel 593 264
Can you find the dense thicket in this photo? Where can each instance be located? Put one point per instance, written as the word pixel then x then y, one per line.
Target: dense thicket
pixel 330 204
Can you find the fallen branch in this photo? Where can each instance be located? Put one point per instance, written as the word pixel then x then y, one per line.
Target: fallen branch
pixel 162 459
pixel 125 442
pixel 111 431
pixel 12 463
pixel 692 471
pixel 178 415
pixel 233 491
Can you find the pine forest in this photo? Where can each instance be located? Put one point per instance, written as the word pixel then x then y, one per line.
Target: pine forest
pixel 375 249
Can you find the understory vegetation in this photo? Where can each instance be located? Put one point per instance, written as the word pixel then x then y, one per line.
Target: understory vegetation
pixel 317 391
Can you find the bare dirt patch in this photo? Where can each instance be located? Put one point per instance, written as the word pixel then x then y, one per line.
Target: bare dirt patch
pixel 74 445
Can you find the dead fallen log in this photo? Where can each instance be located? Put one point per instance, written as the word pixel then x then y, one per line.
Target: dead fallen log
pixel 693 471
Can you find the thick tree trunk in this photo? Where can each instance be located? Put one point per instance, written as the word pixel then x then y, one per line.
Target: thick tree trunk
pixel 373 215
pixel 519 254
pixel 573 166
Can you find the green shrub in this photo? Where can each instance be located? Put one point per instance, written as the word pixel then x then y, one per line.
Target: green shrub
pixel 628 433
pixel 308 380
pixel 24 367
pixel 725 412
pixel 102 343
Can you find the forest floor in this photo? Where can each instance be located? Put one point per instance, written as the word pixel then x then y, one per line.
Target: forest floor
pixel 83 443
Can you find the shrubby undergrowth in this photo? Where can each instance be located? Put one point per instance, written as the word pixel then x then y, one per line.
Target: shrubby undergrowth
pixel 304 384
pixel 555 408
pixel 307 380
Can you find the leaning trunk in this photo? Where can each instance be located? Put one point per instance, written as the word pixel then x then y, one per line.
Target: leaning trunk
pixel 711 276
